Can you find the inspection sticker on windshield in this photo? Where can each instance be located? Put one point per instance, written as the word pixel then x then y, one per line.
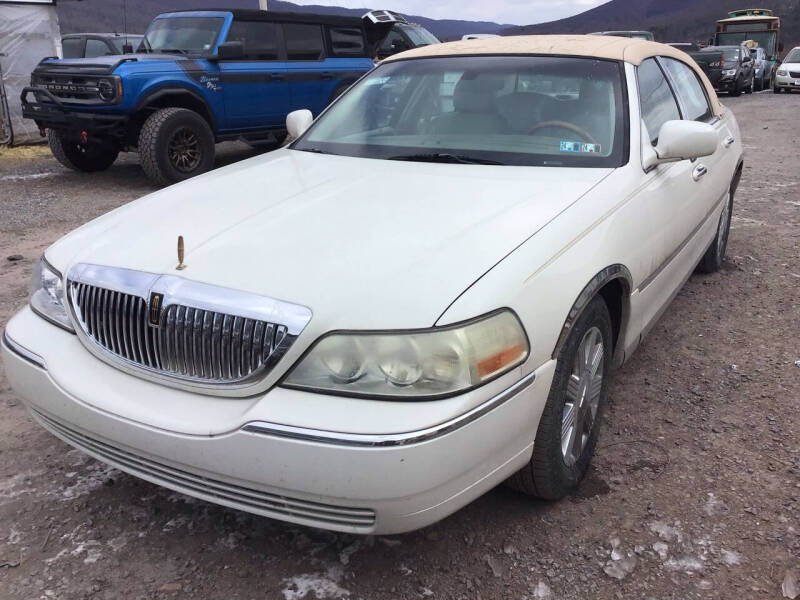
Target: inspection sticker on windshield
pixel 579 147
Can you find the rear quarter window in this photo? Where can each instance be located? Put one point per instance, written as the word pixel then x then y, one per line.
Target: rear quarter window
pixel 346 41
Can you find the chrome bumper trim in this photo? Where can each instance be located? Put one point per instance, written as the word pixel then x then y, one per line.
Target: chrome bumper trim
pixel 381 440
pixel 23 352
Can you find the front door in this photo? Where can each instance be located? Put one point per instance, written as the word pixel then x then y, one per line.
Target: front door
pixel 255 88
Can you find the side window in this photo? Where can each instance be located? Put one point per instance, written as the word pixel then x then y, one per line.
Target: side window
pixel 392 38
pixel 658 103
pixel 346 41
pixel 303 42
pixel 689 89
pixel 96 48
pixel 72 47
pixel 260 39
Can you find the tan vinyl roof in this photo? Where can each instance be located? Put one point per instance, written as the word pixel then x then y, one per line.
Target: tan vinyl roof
pixel 630 50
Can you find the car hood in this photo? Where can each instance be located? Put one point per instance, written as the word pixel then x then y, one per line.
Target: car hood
pixel 363 243
pixel 789 67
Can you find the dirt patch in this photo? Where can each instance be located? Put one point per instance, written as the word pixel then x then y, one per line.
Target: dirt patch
pixel 694 492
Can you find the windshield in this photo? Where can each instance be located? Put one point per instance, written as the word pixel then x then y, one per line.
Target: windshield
pixel 515 110
pixel 727 57
pixel 187 35
pixel 418 35
pixel 793 56
pixel 765 39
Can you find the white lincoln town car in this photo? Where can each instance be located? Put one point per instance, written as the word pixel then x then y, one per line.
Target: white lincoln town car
pixel 421 297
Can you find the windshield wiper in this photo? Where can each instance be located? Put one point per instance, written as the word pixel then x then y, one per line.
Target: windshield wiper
pixel 314 150
pixel 171 50
pixel 443 157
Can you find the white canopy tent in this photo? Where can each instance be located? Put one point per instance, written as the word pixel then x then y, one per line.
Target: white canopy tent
pixel 28 33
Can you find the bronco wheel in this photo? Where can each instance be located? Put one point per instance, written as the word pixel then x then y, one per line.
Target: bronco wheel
pixel 74 155
pixel 175 144
pixel 712 259
pixel 568 428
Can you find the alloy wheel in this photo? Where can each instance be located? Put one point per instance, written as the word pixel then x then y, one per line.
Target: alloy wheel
pixel 184 150
pixel 583 396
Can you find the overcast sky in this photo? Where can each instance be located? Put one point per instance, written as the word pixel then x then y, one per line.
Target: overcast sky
pixel 519 12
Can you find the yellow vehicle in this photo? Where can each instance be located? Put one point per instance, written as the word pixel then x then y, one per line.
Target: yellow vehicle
pixel 757 24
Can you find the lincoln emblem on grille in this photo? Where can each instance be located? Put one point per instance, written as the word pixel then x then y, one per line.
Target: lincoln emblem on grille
pixel 155 308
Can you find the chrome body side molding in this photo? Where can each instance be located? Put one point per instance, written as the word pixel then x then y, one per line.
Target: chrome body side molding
pixel 23 352
pixel 390 439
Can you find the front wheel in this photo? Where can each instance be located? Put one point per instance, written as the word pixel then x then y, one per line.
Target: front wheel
pixel 568 428
pixel 87 158
pixel 175 144
pixel 712 259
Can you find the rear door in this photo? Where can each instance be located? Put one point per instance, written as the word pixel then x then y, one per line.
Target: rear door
pixel 311 79
pixel 254 88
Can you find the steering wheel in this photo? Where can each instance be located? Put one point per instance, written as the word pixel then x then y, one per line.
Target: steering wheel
pixel 564 125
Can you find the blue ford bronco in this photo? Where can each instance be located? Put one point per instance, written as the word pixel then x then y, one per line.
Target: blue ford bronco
pixel 198 78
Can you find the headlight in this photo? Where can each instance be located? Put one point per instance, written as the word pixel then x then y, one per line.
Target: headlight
pixel 729 72
pixel 47 295
pixel 417 364
pixel 105 89
pixel 783 73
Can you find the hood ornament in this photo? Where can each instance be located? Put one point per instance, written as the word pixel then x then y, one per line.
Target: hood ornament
pixel 180 266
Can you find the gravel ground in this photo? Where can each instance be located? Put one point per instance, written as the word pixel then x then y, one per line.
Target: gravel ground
pixel 694 492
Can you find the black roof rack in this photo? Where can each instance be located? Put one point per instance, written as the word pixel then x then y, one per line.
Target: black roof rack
pixel 285 17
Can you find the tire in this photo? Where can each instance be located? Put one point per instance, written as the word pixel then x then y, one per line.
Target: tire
pixel 81 157
pixel 175 144
pixel 777 90
pixel 551 474
pixel 737 88
pixel 715 254
pixel 760 84
pixel 748 89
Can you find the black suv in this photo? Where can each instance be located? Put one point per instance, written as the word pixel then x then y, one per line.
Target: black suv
pixel 730 68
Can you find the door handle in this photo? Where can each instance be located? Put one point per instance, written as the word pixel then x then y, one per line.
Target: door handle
pixel 699 172
pixel 728 141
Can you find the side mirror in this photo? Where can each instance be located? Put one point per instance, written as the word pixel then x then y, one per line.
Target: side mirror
pixel 682 140
pixel 297 122
pixel 230 51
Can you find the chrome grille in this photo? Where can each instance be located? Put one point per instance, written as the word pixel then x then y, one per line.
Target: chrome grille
pixel 180 341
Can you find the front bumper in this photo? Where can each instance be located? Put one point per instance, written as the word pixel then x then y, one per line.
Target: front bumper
pixel 725 85
pixel 51 113
pixel 354 482
pixel 787 82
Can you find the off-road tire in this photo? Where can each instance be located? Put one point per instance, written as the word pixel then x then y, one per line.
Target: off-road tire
pixel 547 475
pixel 154 139
pixel 715 254
pixel 86 158
pixel 737 88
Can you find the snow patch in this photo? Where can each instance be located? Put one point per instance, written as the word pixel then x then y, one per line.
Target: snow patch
pixel 322 585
